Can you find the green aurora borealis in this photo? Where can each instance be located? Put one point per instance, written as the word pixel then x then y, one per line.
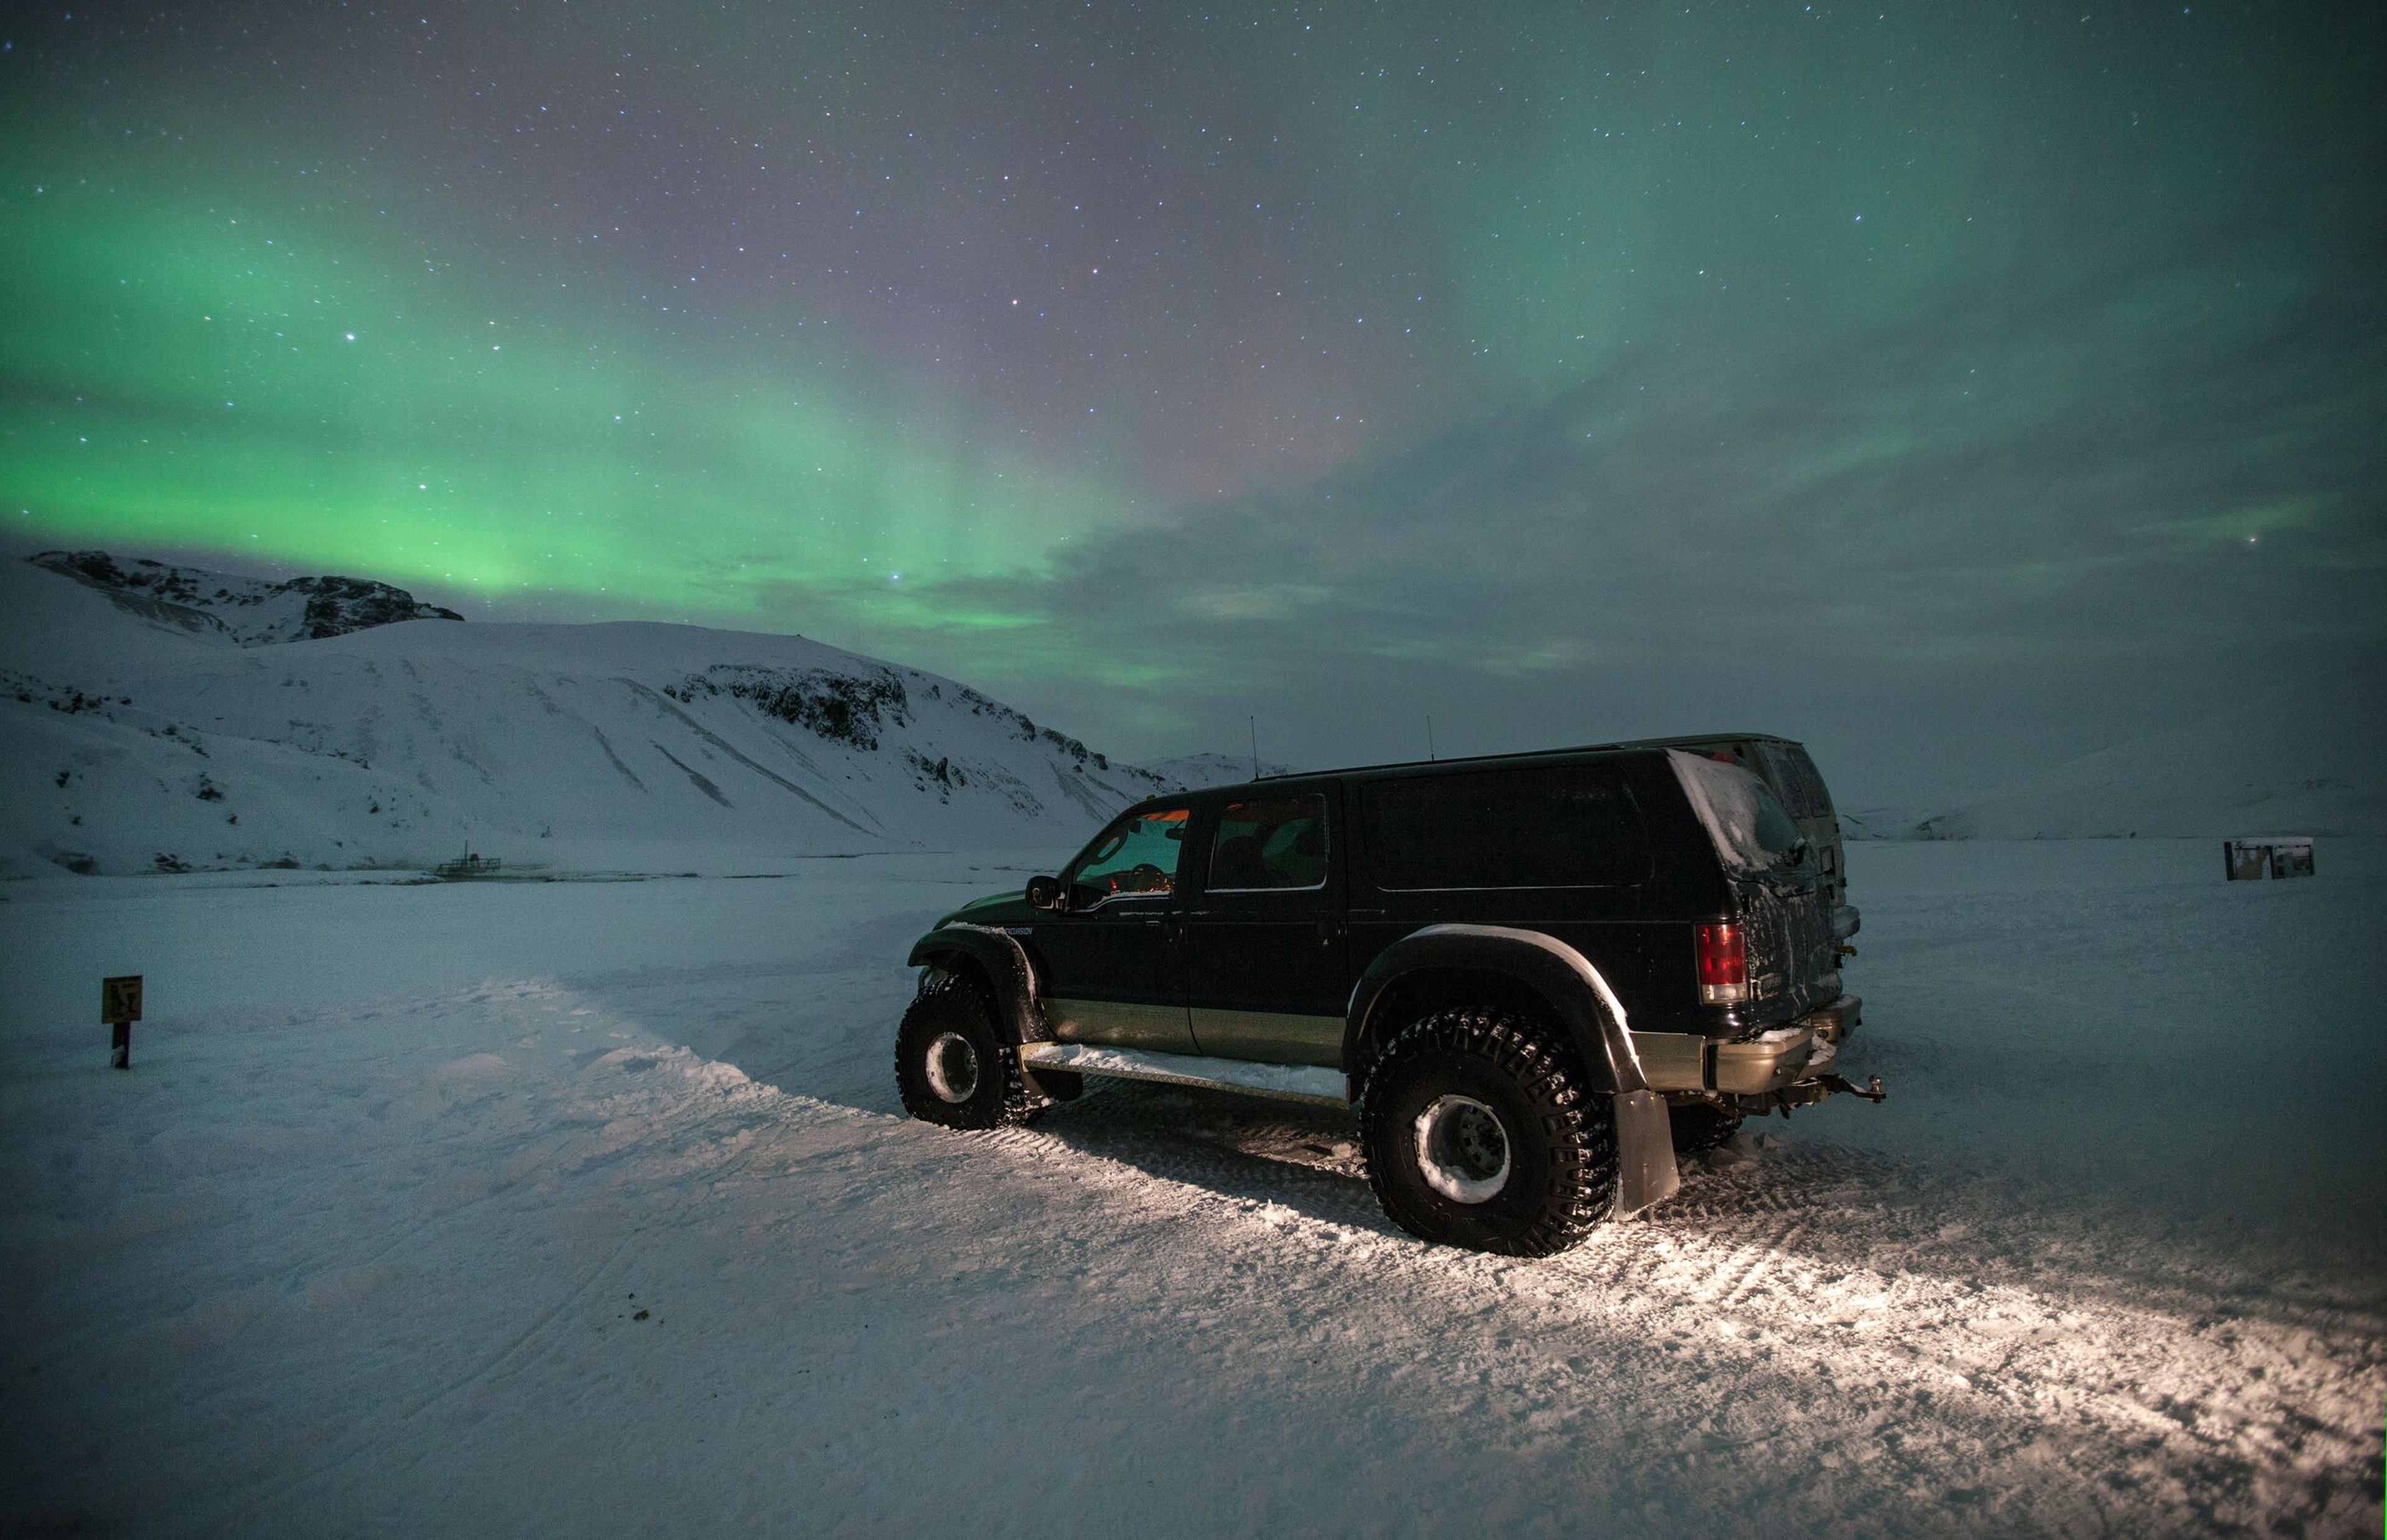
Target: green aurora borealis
pixel 1310 360
pixel 281 382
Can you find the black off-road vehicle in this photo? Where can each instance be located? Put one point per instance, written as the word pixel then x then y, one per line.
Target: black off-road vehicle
pixel 1536 976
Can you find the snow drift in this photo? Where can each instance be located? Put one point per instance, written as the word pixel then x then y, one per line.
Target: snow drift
pixel 362 1244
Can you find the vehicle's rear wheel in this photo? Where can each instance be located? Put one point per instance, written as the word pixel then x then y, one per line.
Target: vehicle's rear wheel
pixel 1478 1132
pixel 1701 1127
pixel 952 1067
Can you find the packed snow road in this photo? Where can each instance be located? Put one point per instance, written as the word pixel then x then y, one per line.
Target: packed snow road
pixel 587 1208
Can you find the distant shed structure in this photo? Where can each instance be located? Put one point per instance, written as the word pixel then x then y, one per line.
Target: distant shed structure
pixel 2278 855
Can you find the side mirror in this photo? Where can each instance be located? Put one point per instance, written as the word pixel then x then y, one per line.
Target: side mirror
pixel 1044 892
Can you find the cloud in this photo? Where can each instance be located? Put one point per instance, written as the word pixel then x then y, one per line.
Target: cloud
pixel 2051 491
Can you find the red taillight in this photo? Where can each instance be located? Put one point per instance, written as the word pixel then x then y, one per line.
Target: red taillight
pixel 1723 964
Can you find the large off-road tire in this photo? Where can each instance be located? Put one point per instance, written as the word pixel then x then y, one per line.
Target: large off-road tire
pixel 1697 1126
pixel 953 1067
pixel 1479 1132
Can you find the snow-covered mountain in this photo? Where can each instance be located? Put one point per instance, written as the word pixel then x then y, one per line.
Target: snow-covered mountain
pixel 1876 822
pixel 148 727
pixel 248 610
pixel 2304 765
pixel 1193 772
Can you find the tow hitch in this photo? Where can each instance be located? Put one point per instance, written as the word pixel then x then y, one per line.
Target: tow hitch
pixel 1809 1091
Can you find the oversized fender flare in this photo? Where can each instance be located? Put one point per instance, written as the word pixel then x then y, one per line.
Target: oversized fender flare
pixel 1589 1014
pixel 1004 962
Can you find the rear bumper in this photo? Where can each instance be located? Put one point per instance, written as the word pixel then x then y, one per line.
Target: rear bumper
pixel 1756 1065
pixel 1835 1022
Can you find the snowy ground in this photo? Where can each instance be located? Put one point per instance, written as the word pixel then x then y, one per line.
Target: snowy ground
pixel 586 1208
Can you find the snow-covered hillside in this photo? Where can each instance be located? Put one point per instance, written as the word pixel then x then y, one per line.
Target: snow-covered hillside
pixel 2305 764
pixel 1876 822
pixel 146 730
pixel 1193 772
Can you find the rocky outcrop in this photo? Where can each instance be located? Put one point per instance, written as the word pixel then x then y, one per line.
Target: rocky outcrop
pixel 245 611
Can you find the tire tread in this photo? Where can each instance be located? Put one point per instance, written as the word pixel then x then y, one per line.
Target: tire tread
pixel 1579 1189
pixel 1697 1126
pixel 957 1002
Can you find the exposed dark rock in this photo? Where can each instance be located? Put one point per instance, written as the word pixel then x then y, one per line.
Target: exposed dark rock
pixel 843 708
pixel 244 609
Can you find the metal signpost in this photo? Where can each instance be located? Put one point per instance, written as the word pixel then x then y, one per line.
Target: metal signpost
pixel 119 1007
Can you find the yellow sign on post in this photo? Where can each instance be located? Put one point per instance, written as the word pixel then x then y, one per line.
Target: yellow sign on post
pixel 119 999
pixel 119 1007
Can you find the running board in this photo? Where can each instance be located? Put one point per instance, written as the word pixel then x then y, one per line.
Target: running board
pixel 1288 1082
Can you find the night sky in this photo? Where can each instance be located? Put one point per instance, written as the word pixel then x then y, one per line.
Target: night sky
pixel 1949 386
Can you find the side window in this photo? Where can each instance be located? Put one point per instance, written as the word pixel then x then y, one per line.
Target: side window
pixel 1565 826
pixel 1137 854
pixel 1269 842
pixel 1795 781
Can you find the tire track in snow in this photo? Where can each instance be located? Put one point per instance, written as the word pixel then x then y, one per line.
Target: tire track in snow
pixel 1818 1285
pixel 2266 1421
pixel 367 1439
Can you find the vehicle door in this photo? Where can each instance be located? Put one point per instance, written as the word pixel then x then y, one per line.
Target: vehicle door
pixel 1107 958
pixel 1263 937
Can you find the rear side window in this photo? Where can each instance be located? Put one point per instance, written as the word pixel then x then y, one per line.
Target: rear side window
pixel 1795 781
pixel 1564 827
pixel 1269 842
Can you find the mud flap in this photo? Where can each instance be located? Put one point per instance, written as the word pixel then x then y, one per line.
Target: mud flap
pixel 1645 1151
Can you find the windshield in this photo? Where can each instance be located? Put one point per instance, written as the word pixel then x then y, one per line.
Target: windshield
pixel 1138 854
pixel 1741 812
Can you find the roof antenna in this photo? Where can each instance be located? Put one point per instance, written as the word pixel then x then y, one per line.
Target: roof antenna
pixel 1429 736
pixel 1254 723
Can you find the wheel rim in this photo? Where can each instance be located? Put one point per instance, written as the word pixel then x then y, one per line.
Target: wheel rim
pixel 1462 1151
pixel 953 1068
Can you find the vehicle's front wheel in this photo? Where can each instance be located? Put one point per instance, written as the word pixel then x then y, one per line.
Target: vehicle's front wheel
pixel 952 1067
pixel 1478 1132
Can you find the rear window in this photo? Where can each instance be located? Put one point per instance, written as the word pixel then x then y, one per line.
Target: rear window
pixel 1741 812
pixel 1566 826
